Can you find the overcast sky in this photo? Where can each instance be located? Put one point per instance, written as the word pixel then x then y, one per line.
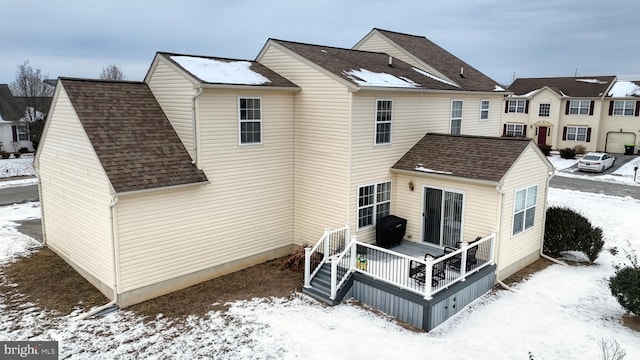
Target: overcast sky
pixel 538 38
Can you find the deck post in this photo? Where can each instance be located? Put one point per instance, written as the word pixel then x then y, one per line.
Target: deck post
pixel 334 280
pixel 325 238
pixel 428 275
pixel 307 267
pixel 347 235
pixel 354 249
pixel 463 261
pixel 492 247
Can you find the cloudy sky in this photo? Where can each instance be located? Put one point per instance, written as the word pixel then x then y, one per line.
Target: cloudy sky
pixel 77 38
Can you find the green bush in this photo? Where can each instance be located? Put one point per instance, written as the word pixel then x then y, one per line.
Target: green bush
pixel 567 153
pixel 625 286
pixel 546 149
pixel 568 230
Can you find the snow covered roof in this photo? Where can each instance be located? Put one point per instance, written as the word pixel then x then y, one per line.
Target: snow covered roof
pixel 592 86
pixel 368 69
pixel 625 89
pixel 442 61
pixel 123 113
pixel 214 70
pixel 449 155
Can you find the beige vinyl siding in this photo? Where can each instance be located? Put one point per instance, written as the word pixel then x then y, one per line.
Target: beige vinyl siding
pixel 556 108
pixel 616 123
pixel 321 150
pixel 174 92
pixel 480 204
pixel 592 121
pixel 247 208
pixel 529 170
pixel 75 191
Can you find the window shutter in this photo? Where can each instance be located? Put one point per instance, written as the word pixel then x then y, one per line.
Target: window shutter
pixel 611 107
pixel 14 130
pixel 526 107
pixel 637 113
pixel 524 128
pixel 591 106
pixel 506 106
pixel 504 129
pixel 566 110
pixel 564 133
pixel 588 134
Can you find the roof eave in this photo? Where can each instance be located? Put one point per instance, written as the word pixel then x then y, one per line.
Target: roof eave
pixel 249 87
pixel 160 188
pixel 423 90
pixel 445 177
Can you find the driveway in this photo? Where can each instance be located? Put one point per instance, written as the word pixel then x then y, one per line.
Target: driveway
pixel 620 160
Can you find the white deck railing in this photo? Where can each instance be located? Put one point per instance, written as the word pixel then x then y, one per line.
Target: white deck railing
pixel 395 268
pixel 332 242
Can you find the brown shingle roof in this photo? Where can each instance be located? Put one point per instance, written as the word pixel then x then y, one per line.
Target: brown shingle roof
pixel 472 157
pixel 584 86
pixel 341 62
pixel 274 79
pixel 136 144
pixel 442 60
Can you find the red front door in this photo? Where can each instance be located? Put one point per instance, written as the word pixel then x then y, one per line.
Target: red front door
pixel 542 135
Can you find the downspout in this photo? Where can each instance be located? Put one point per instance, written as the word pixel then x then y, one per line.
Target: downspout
pixel 499 230
pixel 196 157
pixel 112 204
pixel 544 225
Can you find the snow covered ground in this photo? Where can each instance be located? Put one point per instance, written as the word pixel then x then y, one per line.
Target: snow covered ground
pixel 559 313
pixel 22 166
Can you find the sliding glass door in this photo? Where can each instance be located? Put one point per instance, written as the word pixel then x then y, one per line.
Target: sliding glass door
pixel 442 217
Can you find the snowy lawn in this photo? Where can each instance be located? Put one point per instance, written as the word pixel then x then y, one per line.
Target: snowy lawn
pixel 22 166
pixel 559 313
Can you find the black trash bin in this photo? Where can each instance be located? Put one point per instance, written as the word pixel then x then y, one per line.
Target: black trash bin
pixel 629 149
pixel 390 230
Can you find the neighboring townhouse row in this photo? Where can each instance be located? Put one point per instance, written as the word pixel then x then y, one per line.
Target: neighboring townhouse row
pixel 264 155
pixel 599 113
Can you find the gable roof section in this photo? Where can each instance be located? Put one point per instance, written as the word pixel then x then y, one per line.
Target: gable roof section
pixel 10 105
pixel 135 143
pixel 7 104
pixel 364 69
pixel 449 155
pixel 443 61
pixel 590 87
pixel 624 88
pixel 223 71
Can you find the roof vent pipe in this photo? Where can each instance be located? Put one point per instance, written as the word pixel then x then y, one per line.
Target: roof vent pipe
pixel 390 61
pixel 461 71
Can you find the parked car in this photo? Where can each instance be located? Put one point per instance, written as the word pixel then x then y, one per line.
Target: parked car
pixel 598 162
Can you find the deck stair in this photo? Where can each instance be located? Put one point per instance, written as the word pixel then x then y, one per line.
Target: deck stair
pixel 321 287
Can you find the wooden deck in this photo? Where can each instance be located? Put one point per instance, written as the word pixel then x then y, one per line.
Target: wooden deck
pixel 417 249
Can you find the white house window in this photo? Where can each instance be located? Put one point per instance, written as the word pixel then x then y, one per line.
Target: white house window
pixel 514 130
pixel 22 132
pixel 524 209
pixel 484 109
pixel 624 107
pixel 250 120
pixel 374 202
pixel 383 121
pixel 456 117
pixel 579 107
pixel 545 110
pixel 576 133
pixel 517 106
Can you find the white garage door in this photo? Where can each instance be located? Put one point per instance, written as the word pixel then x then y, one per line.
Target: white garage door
pixel 617 140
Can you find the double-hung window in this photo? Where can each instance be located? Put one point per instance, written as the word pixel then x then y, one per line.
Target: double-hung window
pixel 524 209
pixel 624 107
pixel 514 130
pixel 22 133
pixel 517 106
pixel 545 110
pixel 456 117
pixel 383 121
pixel 576 133
pixel 374 202
pixel 250 117
pixel 484 109
pixel 579 107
